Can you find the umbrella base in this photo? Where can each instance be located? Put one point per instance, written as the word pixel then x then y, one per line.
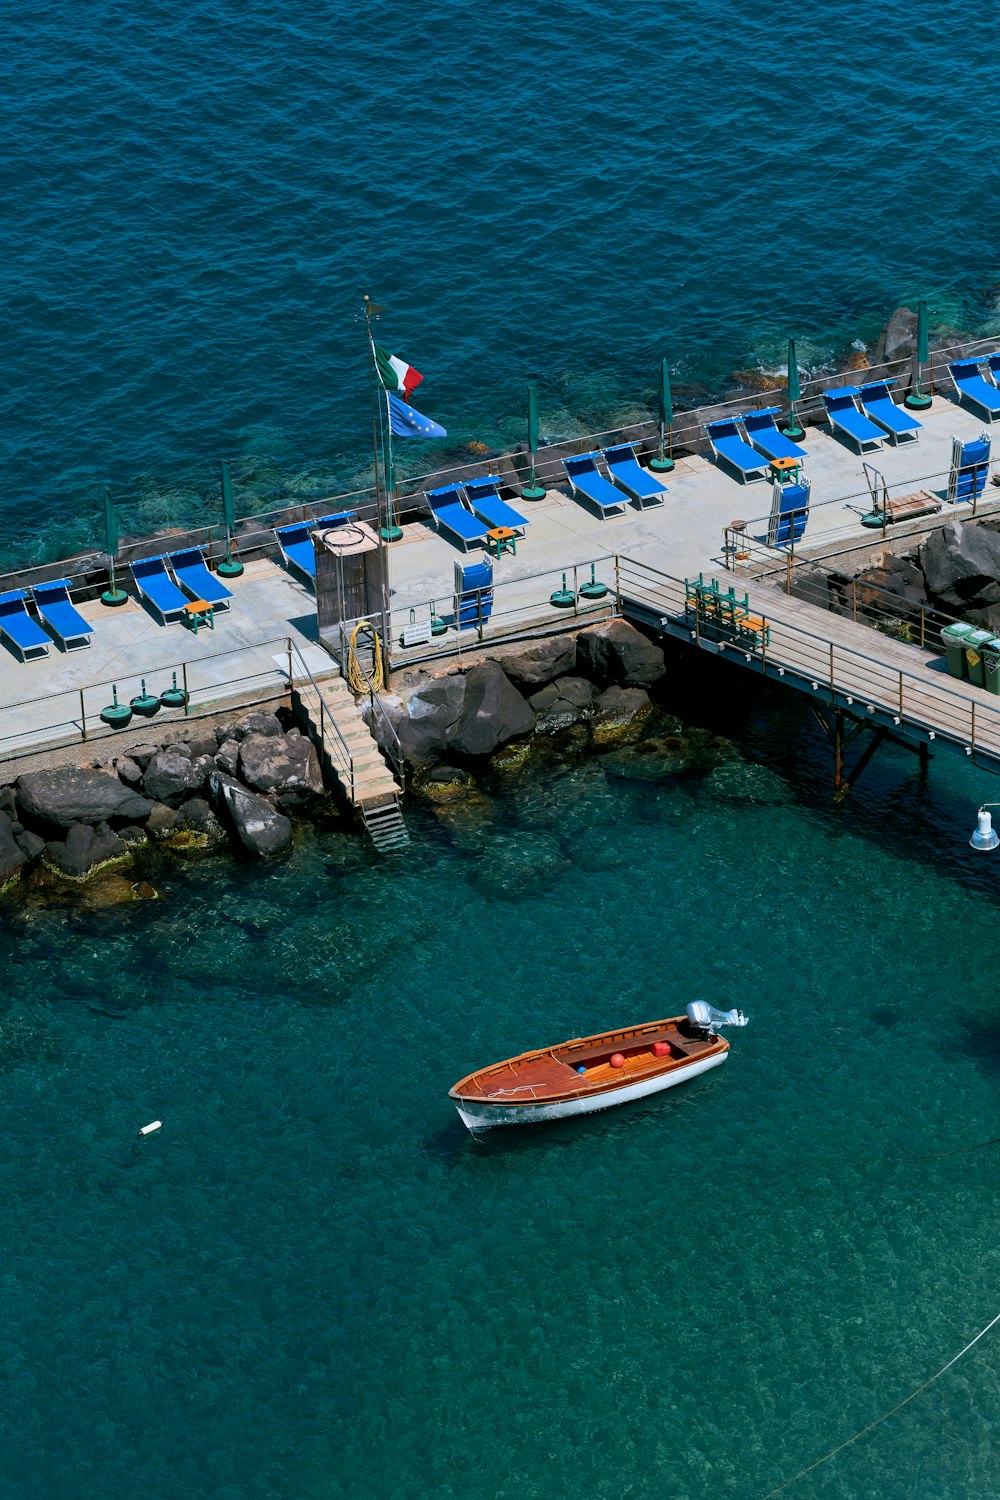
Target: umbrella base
pixel 661 465
pixel 794 433
pixel 533 492
pixel 917 401
pixel 114 597
pixel 230 568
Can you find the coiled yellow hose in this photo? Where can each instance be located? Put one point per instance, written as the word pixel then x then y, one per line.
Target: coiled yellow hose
pixel 356 678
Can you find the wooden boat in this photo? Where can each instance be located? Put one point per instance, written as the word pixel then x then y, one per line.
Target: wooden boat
pixel 590 1073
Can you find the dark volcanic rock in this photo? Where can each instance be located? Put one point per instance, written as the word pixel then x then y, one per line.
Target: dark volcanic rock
pixel 898 339
pixel 197 817
pixel 615 652
pixel 287 766
pixel 428 718
pixel 257 723
pixel 515 869
pixel 67 796
pixel 31 845
pixel 172 775
pixel 260 828
pixel 129 772
pixel 162 821
pixel 493 711
pixel 142 755
pixel 536 665
pixel 620 715
pixel 228 757
pixel 85 849
pixel 562 703
pixel 961 564
pixel 12 855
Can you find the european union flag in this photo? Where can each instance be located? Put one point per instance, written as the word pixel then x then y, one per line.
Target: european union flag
pixel 406 421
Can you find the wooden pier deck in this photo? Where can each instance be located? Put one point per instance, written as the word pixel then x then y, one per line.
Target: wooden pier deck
pixel 842 664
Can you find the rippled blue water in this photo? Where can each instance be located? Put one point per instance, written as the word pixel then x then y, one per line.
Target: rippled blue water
pixel 312 1282
pixel 555 191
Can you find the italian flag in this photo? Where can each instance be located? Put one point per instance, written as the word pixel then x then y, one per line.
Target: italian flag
pixel 395 374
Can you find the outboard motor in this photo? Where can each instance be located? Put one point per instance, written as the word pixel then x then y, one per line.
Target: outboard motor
pixel 705 1018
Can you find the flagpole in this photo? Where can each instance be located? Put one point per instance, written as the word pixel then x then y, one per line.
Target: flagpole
pixel 379 507
pixel 393 531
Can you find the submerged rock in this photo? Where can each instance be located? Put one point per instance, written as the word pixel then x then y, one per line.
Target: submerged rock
pixel 443 784
pixel 743 782
pixel 515 868
pixel 652 759
pixel 86 849
pixel 13 856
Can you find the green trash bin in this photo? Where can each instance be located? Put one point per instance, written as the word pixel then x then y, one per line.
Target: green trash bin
pixel 991 665
pixel 954 637
pixel 974 643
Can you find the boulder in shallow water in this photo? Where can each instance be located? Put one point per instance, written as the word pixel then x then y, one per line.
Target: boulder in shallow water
pixel 493 711
pixel 68 795
pixel 620 715
pixel 615 652
pixel 13 857
pixel 515 868
pixel 562 703
pixel 86 849
pixel 652 759
pixel 260 828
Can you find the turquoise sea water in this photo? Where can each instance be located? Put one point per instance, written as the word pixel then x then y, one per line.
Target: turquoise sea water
pixel 559 192
pixel 313 1283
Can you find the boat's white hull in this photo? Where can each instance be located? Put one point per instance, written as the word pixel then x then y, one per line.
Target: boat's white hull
pixel 484 1114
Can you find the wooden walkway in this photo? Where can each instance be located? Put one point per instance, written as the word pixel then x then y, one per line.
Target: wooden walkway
pixel 846 665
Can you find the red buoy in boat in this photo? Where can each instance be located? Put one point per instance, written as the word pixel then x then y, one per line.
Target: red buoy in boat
pixel 617 1061
pixel 661 1049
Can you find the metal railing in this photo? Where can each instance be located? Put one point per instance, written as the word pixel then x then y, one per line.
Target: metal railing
pixel 333 746
pixel 851 676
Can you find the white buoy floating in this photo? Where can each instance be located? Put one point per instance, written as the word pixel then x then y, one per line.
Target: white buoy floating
pixel 153 1125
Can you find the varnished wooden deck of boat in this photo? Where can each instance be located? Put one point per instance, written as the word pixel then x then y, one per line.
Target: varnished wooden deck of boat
pixel 551 1073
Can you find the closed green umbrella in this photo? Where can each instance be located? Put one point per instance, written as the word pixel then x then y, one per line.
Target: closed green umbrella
pixel 917 400
pixel 532 490
pixel 113 595
pixel 230 567
pixel 663 463
pixel 793 430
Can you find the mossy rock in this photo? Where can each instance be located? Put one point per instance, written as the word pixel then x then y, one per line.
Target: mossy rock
pixel 191 841
pixel 517 758
pixel 444 785
pixel 652 760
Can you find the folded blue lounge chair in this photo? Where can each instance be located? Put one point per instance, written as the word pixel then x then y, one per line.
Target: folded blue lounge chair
pixel 66 623
pixel 296 542
pixel 841 408
pixel 473 593
pixel 588 483
pixel 878 404
pixel 450 514
pixel 789 513
pixel 730 449
pixel 974 388
pixel 195 579
pixel 970 465
pixel 763 431
pixel 155 584
pixel 628 474
pixel 484 497
pixel 25 634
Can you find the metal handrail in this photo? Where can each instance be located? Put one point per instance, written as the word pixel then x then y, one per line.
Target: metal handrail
pixel 959 711
pixel 324 712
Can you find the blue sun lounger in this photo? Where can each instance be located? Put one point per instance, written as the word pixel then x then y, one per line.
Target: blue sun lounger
pixel 195 579
pixel 841 408
pixel 24 633
pixel 450 514
pixel 589 484
pixel 878 404
pixel 731 450
pixel 970 465
pixel 296 542
pixel 155 584
pixel 972 386
pixel 628 474
pixel 789 513
pixel 763 431
pixel 484 497
pixel 66 623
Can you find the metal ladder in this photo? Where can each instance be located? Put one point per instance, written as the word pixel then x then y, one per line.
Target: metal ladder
pixel 385 827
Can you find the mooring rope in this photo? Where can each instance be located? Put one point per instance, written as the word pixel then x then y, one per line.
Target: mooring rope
pixel 899 1404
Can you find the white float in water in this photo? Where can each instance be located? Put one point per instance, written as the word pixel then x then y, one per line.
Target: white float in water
pixel 148 1129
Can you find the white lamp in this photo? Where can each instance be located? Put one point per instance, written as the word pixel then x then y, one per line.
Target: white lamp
pixel 984 835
